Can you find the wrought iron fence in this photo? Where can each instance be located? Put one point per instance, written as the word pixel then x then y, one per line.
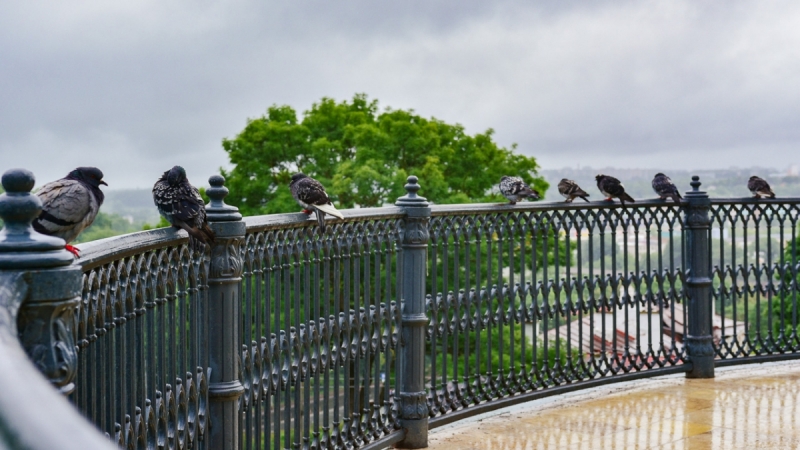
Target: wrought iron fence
pixel 581 292
pixel 320 331
pixel 396 320
pixel 754 257
pixel 141 325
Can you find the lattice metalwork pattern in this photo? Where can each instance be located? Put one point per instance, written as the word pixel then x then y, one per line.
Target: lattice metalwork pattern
pixel 321 323
pixel 525 300
pixel 754 260
pixel 141 360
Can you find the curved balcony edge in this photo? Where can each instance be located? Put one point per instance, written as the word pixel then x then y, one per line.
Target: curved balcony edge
pixel 34 415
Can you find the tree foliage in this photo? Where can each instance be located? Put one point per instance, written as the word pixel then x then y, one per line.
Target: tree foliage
pixel 363 157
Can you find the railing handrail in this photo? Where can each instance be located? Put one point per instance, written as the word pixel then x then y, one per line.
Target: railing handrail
pixel 487 208
pixel 754 201
pixel 298 220
pixel 103 251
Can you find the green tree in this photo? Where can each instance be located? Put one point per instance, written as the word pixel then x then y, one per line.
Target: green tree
pixel 363 157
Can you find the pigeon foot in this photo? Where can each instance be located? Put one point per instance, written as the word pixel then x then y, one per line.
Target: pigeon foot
pixel 74 250
pixel 307 211
pixel 610 199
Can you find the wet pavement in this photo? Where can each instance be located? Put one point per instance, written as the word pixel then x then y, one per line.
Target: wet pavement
pixel 746 407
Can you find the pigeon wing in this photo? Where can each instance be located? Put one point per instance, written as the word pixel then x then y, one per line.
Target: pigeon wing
pixel 187 205
pixel 663 186
pixel 68 208
pixel 311 192
pixel 163 197
pixel 612 186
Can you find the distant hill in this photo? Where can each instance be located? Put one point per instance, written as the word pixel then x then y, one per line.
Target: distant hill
pixel 731 183
pixel 136 205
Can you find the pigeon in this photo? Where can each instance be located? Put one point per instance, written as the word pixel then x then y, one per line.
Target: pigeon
pixel 570 190
pixel 611 187
pixel 664 187
pixel 310 194
pixel 70 205
pixel 180 203
pixel 759 187
pixel 514 189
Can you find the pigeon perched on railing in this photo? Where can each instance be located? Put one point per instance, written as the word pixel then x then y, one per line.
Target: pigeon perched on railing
pixel 611 187
pixel 570 190
pixel 310 194
pixel 759 187
pixel 70 205
pixel 180 203
pixel 514 189
pixel 664 187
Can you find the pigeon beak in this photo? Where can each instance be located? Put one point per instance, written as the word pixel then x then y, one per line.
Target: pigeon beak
pixel 103 182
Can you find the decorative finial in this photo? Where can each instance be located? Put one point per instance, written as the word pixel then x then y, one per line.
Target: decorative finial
pixel 412 186
pixel 411 198
pixel 21 247
pixel 695 183
pixel 216 209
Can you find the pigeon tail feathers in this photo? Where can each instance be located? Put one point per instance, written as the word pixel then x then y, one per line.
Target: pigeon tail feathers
pixel 329 209
pixel 624 197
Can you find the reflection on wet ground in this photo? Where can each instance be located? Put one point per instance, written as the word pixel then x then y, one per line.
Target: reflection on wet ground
pixel 748 407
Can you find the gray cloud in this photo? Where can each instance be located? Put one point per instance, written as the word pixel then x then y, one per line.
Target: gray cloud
pixel 135 88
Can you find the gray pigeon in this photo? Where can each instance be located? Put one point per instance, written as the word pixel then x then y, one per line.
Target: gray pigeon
pixel 514 189
pixel 664 187
pixel 180 203
pixel 69 205
pixel 310 194
pixel 759 187
pixel 570 190
pixel 611 187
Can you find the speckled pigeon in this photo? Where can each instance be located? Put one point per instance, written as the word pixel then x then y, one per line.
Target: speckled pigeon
pixel 611 187
pixel 69 205
pixel 664 187
pixel 180 203
pixel 514 189
pixel 759 187
pixel 310 194
pixel 570 190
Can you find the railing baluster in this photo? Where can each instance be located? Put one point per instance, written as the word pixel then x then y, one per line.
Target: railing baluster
pixel 413 398
pixel 224 309
pixel 699 346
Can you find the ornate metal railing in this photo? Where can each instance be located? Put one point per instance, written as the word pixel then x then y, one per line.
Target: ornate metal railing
pixel 141 327
pixel 394 320
pixel 320 330
pixel 754 260
pixel 562 295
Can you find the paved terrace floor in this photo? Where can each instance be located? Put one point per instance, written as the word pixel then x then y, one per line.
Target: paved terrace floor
pixel 746 407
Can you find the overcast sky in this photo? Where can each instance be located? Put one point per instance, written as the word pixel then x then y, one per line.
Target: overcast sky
pixel 136 87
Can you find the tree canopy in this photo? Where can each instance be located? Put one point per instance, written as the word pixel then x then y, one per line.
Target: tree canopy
pixel 364 156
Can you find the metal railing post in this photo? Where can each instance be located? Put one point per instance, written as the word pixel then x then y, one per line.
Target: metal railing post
pixel 39 289
pixel 413 398
pixel 45 320
pixel 224 316
pixel 696 225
